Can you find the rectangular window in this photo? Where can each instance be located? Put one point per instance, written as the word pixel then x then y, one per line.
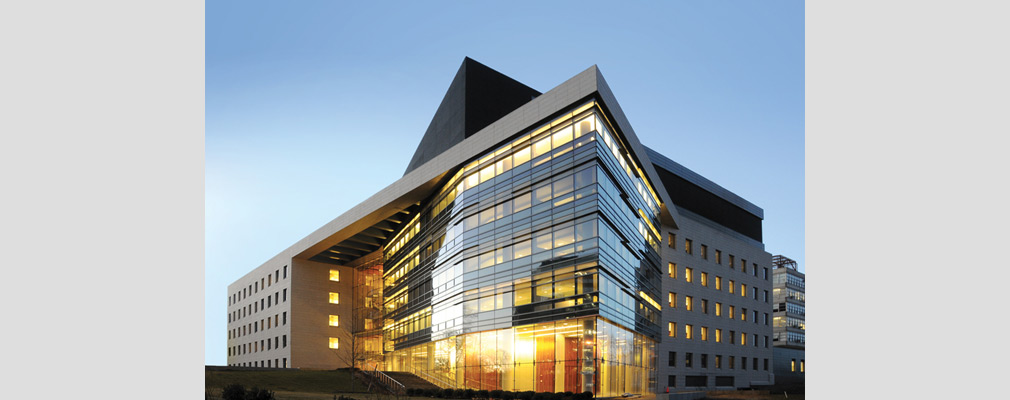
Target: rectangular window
pixel 334 320
pixel 671 328
pixel 672 360
pixel 687 246
pixel 731 284
pixel 285 272
pixel 718 282
pixel 335 275
pixel 687 331
pixel 671 240
pixel 731 309
pixel 755 365
pixel 334 343
pixel 671 269
pixel 673 300
pixel 704 360
pixel 334 298
pixel 704 333
pixel 689 303
pixel 743 290
pixel 792 365
pixel 284 340
pixel 743 314
pixel 718 309
pixel 285 319
pixel 718 257
pixel 755 315
pixel 754 270
pixel 704 279
pixel 718 361
pixel 766 273
pixel 801 365
pixel 731 264
pixel 671 380
pixel 766 364
pixel 704 252
pixel 732 337
pixel 732 362
pixel 688 272
pixel 688 357
pixel 766 296
pixel 743 362
pixel 743 338
pixel 704 306
pixel 718 335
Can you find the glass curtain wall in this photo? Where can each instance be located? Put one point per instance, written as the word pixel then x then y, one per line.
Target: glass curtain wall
pixel 500 281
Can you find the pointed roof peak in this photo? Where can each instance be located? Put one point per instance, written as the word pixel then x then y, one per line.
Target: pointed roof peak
pixel 477 96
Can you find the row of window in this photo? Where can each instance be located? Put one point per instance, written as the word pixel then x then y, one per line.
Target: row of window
pixel 263 324
pixel 718 358
pixel 278 342
pixel 671 270
pixel 689 249
pixel 792 365
pixel 689 330
pixel 275 363
pixel 254 288
pixel 257 306
pixel 731 310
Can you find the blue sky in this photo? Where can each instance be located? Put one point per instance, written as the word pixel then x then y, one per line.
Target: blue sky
pixel 313 106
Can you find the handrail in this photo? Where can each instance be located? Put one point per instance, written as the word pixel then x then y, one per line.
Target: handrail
pixel 391 384
pixel 437 380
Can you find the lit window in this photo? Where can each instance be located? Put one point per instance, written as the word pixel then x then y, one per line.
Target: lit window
pixel 718 335
pixel 335 275
pixel 718 309
pixel 743 339
pixel 687 246
pixel 801 365
pixel 704 306
pixel 718 257
pixel 688 303
pixel 671 269
pixel 334 343
pixel 687 331
pixel 704 333
pixel 718 282
pixel 792 365
pixel 743 290
pixel 704 252
pixel 671 241
pixel 688 272
pixel 673 300
pixel 731 309
pixel 334 320
pixel 334 298
pixel 704 279
pixel 731 283
pixel 672 328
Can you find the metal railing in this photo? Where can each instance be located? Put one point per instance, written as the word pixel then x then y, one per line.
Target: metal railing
pixel 392 385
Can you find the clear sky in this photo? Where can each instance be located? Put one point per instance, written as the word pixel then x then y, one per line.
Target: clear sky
pixel 313 106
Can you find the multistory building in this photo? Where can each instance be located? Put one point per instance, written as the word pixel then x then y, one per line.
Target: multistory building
pixel 789 322
pixel 533 243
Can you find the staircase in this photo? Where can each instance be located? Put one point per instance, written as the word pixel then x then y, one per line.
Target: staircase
pixel 411 381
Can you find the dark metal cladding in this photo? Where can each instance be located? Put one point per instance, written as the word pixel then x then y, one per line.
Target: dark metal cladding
pixel 477 96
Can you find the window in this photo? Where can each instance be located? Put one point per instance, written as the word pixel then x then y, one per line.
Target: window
pixel 285 272
pixel 284 340
pixel 285 295
pixel 718 361
pixel 673 300
pixel 704 252
pixel 277 276
pixel 743 265
pixel 704 333
pixel 792 365
pixel 718 282
pixel 334 298
pixel 766 342
pixel 743 290
pixel 687 331
pixel 743 314
pixel 731 309
pixel 672 359
pixel 766 364
pixel 689 303
pixel 671 380
pixel 704 279
pixel 755 365
pixel 718 257
pixel 334 320
pixel 688 357
pixel 766 296
pixel 731 284
pixel 731 264
pixel 285 319
pixel 743 362
pixel 671 269
pixel 704 360
pixel 766 318
pixel 335 275
pixel 754 270
pixel 687 246
pixel 688 272
pixel 755 341
pixel 334 343
pixel 671 328
pixel 732 362
pixel 743 339
pixel 766 273
pixel 718 309
pixel 718 335
pixel 704 306
pixel 671 240
pixel 801 365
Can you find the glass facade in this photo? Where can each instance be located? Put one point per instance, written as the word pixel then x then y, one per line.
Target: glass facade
pixel 535 267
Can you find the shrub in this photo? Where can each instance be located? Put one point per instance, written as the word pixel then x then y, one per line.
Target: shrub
pixel 233 392
pixel 508 395
pixel 446 394
pixel 259 394
pixel 527 395
pixel 459 394
pixel 470 393
pixel 432 392
pixel 496 394
pixel 482 394
pixel 587 395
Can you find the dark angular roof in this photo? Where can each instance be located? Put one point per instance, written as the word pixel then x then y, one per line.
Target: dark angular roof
pixel 477 96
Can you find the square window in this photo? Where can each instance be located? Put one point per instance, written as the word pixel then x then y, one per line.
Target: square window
pixel 335 275
pixel 334 343
pixel 334 320
pixel 334 298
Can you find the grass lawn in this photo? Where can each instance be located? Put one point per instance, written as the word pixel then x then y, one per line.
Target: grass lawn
pixel 287 381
